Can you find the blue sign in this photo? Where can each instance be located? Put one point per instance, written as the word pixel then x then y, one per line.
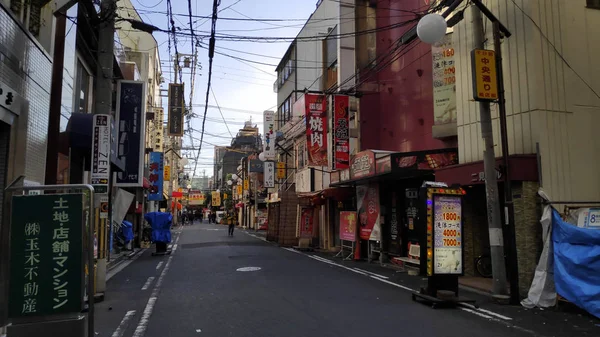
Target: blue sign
pixel 131 111
pixel 156 169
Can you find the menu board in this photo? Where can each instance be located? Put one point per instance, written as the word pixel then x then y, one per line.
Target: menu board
pixel 447 235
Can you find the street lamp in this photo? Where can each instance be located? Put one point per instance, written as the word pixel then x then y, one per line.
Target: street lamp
pixel 262 156
pixel 432 28
pixel 234 177
pixel 229 182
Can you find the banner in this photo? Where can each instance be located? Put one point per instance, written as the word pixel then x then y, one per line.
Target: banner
pixel 216 199
pixel 269 174
pixel 239 190
pixel 306 222
pixel 348 226
pixel 101 150
pixel 316 129
pixel 341 132
pixel 131 116
pixel 156 176
pixel 367 197
pixel 269 135
pixel 176 109
pixel 447 235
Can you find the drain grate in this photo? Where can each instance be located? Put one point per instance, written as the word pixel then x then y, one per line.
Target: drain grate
pixel 221 244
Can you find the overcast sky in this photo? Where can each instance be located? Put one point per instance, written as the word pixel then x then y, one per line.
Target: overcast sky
pixel 243 90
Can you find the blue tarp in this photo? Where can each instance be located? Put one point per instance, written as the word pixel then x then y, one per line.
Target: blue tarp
pixel 161 226
pixel 127 229
pixel 577 264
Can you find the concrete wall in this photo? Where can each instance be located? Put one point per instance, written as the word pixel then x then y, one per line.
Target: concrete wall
pixel 549 61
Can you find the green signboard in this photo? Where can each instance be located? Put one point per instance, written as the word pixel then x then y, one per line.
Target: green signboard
pixel 46 255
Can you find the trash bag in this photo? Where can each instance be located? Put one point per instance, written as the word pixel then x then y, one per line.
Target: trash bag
pixel 127 229
pixel 161 223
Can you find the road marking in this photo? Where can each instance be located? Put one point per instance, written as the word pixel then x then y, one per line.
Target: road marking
pixel 249 269
pixel 464 306
pixel 120 331
pixel 198 330
pixel 292 250
pixel 391 283
pixel 320 259
pixel 174 248
pixel 122 265
pixel 472 307
pixel 140 330
pixel 257 237
pixel 159 265
pixel 371 273
pixel 148 283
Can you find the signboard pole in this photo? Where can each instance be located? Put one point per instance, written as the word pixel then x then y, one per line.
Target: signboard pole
pixel 63 327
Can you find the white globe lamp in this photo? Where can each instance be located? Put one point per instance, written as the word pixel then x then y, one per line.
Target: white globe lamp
pixel 239 168
pixel 189 186
pixel 262 157
pixel 184 161
pixel 218 190
pixel 432 28
pixel 234 176
pixel 229 182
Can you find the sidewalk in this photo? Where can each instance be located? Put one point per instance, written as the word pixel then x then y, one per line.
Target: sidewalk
pixel 564 321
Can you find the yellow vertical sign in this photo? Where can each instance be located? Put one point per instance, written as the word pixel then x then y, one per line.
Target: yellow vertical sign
pixel 485 84
pixel 246 185
pixel 216 198
pixel 167 172
pixel 280 170
pixel 239 190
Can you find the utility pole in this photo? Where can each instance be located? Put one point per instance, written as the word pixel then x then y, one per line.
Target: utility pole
pixel 172 156
pixel 491 182
pixel 103 105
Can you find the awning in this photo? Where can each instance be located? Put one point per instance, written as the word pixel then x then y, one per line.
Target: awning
pixel 372 166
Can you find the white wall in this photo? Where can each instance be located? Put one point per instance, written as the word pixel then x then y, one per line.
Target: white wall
pixel 547 102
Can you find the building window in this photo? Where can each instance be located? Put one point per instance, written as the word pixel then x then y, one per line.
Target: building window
pixel 595 4
pixel 285 72
pixel 82 89
pixel 301 156
pixel 284 113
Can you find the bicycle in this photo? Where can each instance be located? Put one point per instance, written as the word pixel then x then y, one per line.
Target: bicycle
pixel 483 265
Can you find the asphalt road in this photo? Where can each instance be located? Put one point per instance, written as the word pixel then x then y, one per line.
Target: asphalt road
pixel 199 291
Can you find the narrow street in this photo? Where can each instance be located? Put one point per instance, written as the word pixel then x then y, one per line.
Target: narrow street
pixel 200 290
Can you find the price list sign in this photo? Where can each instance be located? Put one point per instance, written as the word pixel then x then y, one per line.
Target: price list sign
pixel 447 235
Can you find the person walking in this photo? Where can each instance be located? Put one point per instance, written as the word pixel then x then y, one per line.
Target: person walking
pixel 231 228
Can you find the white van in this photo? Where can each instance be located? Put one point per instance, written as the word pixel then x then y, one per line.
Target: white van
pixel 220 216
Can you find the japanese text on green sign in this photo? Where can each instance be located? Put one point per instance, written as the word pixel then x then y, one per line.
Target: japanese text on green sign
pixel 46 255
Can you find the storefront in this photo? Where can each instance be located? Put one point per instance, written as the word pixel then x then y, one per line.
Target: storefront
pixel 386 190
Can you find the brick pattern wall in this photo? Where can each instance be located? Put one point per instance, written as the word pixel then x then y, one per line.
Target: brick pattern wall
pixel 32 80
pixel 528 231
pixel 288 212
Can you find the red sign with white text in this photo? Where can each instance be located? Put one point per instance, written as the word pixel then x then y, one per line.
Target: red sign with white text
pixel 341 132
pixel 316 129
pixel 306 222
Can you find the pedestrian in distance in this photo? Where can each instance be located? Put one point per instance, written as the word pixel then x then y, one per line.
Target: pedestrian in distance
pixel 231 228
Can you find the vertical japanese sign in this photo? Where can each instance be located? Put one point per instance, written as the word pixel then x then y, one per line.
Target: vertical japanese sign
pixel 131 113
pixel 176 109
pixel 46 266
pixel 239 190
pixel 101 150
pixel 444 82
pixel 367 197
pixel 167 173
pixel 348 226
pixel 447 235
pixel 269 174
pixel 306 222
pixel 341 132
pixel 316 129
pixel 216 199
pixel 280 170
pixel 269 135
pixel 156 176
pixel 485 85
